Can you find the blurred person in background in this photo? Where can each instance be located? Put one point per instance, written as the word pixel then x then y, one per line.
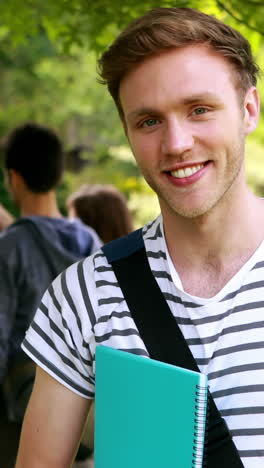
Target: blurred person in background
pixel 104 208
pixel 5 218
pixel 33 251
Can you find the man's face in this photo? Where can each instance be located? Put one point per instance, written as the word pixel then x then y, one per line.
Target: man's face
pixel 186 126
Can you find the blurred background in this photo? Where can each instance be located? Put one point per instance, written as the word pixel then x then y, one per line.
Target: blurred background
pixel 48 52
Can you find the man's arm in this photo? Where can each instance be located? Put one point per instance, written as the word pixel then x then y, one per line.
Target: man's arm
pixel 53 425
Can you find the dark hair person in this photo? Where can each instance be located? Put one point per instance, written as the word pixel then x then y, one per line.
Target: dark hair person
pixel 35 152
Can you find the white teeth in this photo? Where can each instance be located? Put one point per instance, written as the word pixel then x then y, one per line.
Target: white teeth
pixel 187 172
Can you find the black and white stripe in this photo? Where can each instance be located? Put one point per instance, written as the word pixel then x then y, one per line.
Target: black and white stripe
pixel 85 307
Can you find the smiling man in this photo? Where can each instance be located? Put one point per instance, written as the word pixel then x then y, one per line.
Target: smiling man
pixel 185 87
pixel 187 134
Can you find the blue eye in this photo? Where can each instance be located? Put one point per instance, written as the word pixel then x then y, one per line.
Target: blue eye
pixel 150 122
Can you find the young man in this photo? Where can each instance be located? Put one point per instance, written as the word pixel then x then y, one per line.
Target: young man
pixel 33 250
pixel 185 87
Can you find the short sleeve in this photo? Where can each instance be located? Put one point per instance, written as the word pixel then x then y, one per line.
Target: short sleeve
pixel 61 339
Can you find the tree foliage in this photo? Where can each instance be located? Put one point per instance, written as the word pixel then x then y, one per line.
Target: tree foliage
pixel 48 52
pixel 68 22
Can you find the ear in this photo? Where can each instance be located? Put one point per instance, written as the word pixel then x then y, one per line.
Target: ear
pixel 251 110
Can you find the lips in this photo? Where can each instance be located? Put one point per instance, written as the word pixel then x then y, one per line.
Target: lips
pixel 188 175
pixel 186 171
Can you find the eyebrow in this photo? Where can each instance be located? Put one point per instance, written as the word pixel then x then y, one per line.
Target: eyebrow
pixel 200 97
pixel 195 99
pixel 141 111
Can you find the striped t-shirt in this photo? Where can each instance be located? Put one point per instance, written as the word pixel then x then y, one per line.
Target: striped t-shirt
pixel 84 307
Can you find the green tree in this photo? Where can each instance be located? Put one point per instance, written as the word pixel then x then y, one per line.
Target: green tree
pixel 78 21
pixel 48 53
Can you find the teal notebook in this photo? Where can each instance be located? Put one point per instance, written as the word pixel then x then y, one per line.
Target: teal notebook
pixel 147 414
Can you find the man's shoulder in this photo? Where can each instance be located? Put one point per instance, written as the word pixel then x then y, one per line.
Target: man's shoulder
pixel 94 274
pixel 136 240
pixel 9 235
pixel 15 232
pixel 96 269
pixel 15 246
pixel 124 246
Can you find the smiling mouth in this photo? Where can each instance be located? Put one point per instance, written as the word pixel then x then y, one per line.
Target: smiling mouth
pixel 187 171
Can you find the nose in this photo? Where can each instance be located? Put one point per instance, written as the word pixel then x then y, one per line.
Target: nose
pixel 177 138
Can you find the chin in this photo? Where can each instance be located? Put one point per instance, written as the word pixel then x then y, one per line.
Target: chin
pixel 193 212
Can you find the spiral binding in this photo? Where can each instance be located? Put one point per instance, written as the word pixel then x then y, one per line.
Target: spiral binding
pixel 200 423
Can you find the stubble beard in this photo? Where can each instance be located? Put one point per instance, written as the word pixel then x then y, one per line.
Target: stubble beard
pixel 228 182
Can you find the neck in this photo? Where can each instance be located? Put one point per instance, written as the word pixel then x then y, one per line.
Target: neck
pixel 209 251
pixel 40 204
pixel 218 235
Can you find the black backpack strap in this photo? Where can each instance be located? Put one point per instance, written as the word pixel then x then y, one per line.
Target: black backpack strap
pixel 161 334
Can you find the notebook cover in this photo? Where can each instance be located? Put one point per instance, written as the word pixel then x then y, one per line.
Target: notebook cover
pixel 147 414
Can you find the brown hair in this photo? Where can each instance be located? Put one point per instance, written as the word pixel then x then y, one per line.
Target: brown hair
pixel 162 29
pixel 103 208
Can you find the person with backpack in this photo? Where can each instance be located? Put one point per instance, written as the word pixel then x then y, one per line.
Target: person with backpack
pixel 33 251
pixel 184 84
